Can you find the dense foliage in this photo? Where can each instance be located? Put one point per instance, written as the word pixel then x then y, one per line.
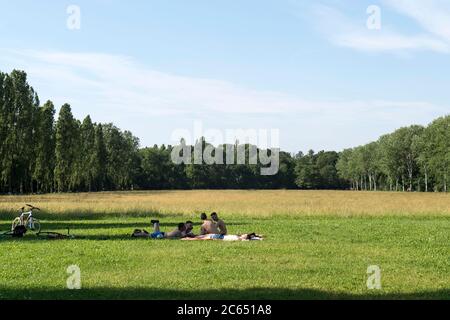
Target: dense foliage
pixel 412 158
pixel 40 155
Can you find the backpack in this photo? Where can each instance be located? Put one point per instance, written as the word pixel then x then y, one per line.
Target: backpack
pixel 137 233
pixel 19 231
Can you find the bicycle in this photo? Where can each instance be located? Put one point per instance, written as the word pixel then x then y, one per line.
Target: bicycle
pixel 27 220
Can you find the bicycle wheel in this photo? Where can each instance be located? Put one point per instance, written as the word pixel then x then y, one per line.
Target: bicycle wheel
pixel 16 222
pixel 35 226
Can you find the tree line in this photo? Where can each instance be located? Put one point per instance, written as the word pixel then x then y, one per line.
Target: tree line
pixel 414 158
pixel 41 154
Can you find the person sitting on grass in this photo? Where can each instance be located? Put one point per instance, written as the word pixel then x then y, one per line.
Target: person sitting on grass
pixel 213 225
pixel 219 223
pixel 243 237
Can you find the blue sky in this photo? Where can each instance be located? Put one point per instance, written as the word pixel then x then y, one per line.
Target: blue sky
pixel 311 69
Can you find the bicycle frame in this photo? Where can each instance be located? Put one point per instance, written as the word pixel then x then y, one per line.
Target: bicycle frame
pixel 29 218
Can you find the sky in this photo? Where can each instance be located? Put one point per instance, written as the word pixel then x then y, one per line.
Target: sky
pixel 328 74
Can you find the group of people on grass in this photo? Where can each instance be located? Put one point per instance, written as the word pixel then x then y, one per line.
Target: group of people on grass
pixel 212 228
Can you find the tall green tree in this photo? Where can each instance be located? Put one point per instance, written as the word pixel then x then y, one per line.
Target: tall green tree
pixel 100 163
pixel 19 109
pixel 88 154
pixel 4 129
pixel 77 167
pixel 307 172
pixel 438 148
pixel 344 169
pixel 156 168
pixel 9 135
pixel 391 160
pixel 122 150
pixel 45 148
pixel 407 152
pixel 65 149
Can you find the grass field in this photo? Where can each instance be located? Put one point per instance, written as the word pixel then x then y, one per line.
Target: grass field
pixel 318 246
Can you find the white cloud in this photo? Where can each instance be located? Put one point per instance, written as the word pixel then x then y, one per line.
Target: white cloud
pixel 118 89
pixel 433 16
pixel 116 81
pixel 387 41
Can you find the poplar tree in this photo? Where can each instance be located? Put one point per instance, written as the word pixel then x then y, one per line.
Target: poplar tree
pixel 3 128
pixel 65 149
pixel 45 148
pixel 99 159
pixel 87 154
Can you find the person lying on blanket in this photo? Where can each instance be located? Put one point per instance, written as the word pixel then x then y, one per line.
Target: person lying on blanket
pixel 243 237
pixel 179 232
pixel 189 230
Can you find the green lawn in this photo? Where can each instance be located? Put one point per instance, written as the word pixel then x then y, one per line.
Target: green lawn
pixel 301 258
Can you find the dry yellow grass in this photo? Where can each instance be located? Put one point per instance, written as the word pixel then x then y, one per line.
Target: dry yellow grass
pixel 242 203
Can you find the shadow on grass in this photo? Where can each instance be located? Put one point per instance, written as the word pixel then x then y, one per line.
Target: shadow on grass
pixel 223 294
pixel 48 226
pixel 78 230
pixel 93 237
pixel 88 215
pixel 76 225
pixel 77 215
pixel 32 238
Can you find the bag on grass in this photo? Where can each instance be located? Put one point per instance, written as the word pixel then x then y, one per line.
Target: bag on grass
pixel 137 233
pixel 19 231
